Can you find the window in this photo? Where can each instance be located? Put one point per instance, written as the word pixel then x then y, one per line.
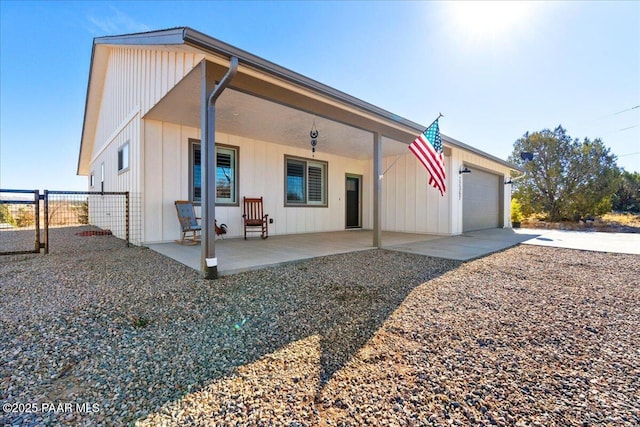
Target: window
pixel 226 173
pixel 92 180
pixel 306 182
pixel 225 180
pixel 102 177
pixel 123 157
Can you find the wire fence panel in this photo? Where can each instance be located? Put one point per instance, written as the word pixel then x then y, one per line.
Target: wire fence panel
pixel 19 221
pixel 45 220
pixel 94 214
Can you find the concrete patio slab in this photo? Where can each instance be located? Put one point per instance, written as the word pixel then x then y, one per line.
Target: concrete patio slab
pixel 238 255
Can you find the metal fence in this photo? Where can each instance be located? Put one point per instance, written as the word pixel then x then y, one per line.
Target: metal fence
pixel 31 222
pixel 19 230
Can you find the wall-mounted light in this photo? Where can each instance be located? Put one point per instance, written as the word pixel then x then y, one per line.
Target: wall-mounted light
pixel 464 170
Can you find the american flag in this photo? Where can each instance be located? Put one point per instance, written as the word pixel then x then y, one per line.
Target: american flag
pixel 428 149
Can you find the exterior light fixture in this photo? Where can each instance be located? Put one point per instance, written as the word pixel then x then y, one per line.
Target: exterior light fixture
pixel 464 170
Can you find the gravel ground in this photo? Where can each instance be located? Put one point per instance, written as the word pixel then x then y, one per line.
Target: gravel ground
pixel 528 336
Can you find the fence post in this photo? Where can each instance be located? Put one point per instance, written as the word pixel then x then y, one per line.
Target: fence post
pixel 127 217
pixel 36 214
pixel 46 222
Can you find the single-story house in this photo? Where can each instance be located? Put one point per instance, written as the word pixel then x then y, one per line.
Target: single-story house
pixel 143 132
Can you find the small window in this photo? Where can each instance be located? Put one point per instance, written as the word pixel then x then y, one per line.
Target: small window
pixel 306 182
pixel 123 157
pixel 92 180
pixel 226 174
pixel 102 177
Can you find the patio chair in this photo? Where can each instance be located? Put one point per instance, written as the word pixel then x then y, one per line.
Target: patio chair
pixel 254 219
pixel 188 222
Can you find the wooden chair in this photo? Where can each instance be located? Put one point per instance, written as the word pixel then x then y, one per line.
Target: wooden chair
pixel 188 222
pixel 254 217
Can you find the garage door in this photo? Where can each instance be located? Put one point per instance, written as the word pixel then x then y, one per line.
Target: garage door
pixel 480 200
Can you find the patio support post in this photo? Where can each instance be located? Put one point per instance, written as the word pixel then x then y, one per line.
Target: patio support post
pixel 377 189
pixel 208 260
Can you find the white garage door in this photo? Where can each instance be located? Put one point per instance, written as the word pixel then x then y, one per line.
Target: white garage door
pixel 480 200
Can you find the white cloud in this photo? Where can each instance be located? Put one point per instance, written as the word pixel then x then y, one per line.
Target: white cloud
pixel 116 23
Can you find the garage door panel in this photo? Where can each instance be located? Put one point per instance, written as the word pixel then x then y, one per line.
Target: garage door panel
pixel 480 201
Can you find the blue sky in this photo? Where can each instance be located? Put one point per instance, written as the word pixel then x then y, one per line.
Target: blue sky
pixel 494 71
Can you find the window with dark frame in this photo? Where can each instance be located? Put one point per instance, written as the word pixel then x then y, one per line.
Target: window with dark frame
pixel 226 173
pixel 123 157
pixel 305 182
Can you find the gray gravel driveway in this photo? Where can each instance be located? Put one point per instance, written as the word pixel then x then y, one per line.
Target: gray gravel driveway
pixel 528 336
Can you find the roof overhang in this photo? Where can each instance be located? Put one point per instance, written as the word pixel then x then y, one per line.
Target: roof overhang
pixel 343 120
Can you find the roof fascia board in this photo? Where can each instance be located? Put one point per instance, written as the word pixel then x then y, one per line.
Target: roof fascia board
pixel 94 84
pixel 171 36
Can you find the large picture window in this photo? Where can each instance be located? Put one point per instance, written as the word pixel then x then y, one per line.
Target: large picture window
pixel 226 173
pixel 305 182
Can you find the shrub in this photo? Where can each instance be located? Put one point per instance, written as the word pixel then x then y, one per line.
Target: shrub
pixel 516 211
pixel 83 212
pixel 25 218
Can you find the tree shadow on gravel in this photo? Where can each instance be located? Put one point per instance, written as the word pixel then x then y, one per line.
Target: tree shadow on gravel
pixel 137 331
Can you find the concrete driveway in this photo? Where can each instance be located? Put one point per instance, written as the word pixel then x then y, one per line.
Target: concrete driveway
pixel 466 246
pixel 476 244
pixel 624 243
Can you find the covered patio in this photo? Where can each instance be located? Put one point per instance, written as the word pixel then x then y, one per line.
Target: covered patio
pixel 238 255
pixel 256 105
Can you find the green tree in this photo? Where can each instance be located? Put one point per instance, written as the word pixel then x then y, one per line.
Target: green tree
pixel 567 178
pixel 627 196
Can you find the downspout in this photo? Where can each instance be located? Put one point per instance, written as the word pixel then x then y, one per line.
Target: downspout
pixel 209 262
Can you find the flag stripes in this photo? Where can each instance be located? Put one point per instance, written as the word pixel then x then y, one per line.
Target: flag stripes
pixel 427 147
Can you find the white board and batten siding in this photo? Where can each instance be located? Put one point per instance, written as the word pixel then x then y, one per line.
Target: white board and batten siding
pixel 261 172
pixel 409 203
pixel 136 79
